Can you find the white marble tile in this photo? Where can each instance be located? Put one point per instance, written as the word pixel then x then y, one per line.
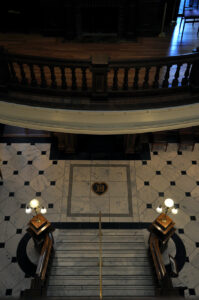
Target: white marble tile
pixel 99 203
pixel 119 189
pixel 5 258
pixel 147 194
pixel 25 194
pixel 31 153
pixel 190 207
pixel 9 206
pixel 145 172
pixel 13 183
pixel 191 230
pixel 4 193
pixel 170 173
pixel 39 183
pixel 181 162
pixel 193 171
pixel 17 162
pixel 42 162
pixel 80 205
pixel 194 258
pixel 189 244
pixel 12 243
pixel 189 275
pixel 82 173
pixel 186 183
pixel 119 205
pixel 11 275
pixel 117 174
pixel 175 193
pixel 159 183
pixel 52 195
pixel 7 171
pixel 28 173
pixel 99 173
pixel 81 189
pixel 54 172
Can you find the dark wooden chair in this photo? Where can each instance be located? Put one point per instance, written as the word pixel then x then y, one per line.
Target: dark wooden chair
pixel 186 139
pixel 159 138
pixel 190 15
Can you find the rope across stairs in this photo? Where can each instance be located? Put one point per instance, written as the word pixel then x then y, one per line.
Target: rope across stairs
pixel 126 270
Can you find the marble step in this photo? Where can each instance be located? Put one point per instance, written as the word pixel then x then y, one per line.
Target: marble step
pixel 114 270
pixel 64 262
pixel 144 280
pixel 95 238
pixel 114 232
pixel 106 253
pixel 95 246
pixel 138 291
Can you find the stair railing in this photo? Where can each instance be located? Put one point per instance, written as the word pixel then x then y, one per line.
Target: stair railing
pixel 100 255
pixel 38 284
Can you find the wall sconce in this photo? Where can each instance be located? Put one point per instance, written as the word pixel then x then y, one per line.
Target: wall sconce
pixel 169 206
pixel 35 206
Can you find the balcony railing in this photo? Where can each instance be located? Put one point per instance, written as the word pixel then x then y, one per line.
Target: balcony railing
pixel 97 78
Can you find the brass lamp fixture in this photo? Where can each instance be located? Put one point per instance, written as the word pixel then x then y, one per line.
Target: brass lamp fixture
pixel 168 206
pixel 34 205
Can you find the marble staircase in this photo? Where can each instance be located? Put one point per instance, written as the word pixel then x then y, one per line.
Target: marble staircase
pixel 75 267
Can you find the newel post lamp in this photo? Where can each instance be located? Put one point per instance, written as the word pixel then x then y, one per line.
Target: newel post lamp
pixel 38 226
pixel 34 205
pixel 163 225
pixel 168 206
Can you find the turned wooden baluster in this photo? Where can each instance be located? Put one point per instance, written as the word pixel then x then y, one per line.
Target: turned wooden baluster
pixel 84 80
pixel 74 83
pixel 23 75
pixel 43 79
pixel 125 83
pixel 32 74
pixel 175 80
pixel 53 78
pixel 136 78
pixel 186 75
pixel 156 79
pixel 165 83
pixel 115 79
pixel 146 78
pixel 63 78
pixel 14 78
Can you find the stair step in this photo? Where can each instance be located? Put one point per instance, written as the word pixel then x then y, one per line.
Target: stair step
pixel 95 271
pixel 62 262
pixel 95 246
pixel 107 291
pixel 126 268
pixel 114 232
pixel 94 280
pixel 95 238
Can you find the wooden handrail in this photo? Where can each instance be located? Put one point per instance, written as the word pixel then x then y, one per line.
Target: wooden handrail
pixel 44 257
pixel 157 257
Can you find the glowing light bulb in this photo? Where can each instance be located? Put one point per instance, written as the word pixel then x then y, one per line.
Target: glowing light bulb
pixel 28 210
pixel 34 203
pixel 43 210
pixel 174 210
pixel 159 209
pixel 169 202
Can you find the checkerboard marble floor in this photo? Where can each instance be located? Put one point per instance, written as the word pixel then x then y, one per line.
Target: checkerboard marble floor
pixel 135 189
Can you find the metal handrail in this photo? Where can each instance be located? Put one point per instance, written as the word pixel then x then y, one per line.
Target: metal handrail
pixel 100 255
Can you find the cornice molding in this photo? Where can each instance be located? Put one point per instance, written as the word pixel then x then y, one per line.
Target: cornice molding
pixel 99 122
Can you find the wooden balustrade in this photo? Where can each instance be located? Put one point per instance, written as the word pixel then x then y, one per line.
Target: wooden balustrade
pixel 103 78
